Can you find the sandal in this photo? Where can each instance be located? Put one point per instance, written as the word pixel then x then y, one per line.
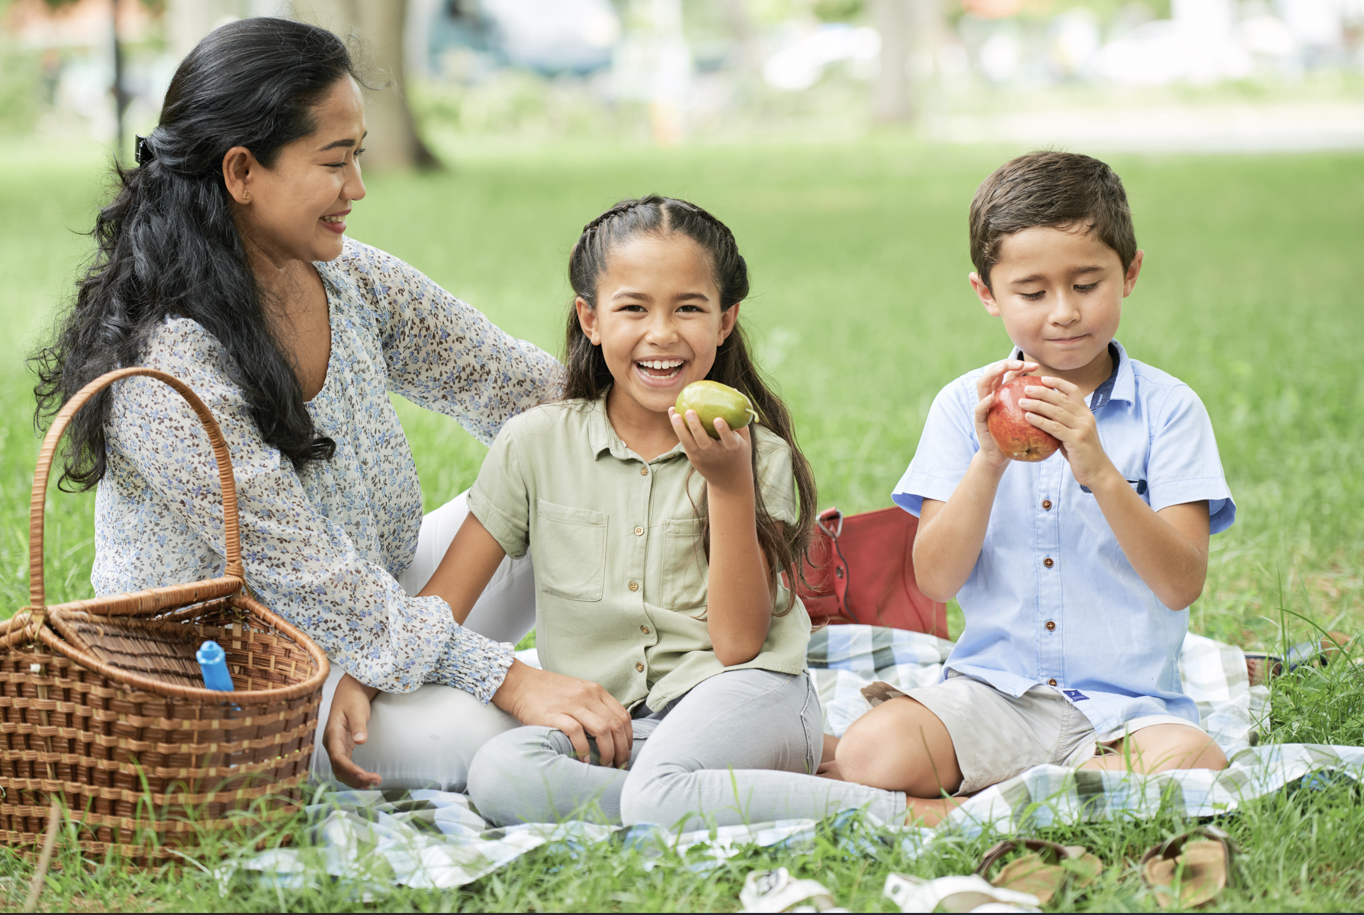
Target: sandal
pixel 777 891
pixel 1189 870
pixel 1262 667
pixel 955 894
pixel 1044 870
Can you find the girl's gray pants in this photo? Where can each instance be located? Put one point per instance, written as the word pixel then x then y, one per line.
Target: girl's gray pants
pixel 740 747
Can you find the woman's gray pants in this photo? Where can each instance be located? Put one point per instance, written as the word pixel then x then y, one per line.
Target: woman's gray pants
pixel 740 747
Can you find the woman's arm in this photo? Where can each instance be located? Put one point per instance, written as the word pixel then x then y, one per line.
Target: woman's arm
pixel 535 697
pixel 739 590
pixel 442 353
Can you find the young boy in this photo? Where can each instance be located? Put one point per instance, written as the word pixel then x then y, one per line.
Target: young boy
pixel 1074 573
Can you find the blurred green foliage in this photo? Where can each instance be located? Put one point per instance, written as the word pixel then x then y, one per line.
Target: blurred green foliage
pixel 21 88
pixel 838 10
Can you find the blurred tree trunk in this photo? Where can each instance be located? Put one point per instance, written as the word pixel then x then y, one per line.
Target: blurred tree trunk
pixel 121 96
pixel 910 33
pixel 379 24
pixel 745 35
pixel 893 100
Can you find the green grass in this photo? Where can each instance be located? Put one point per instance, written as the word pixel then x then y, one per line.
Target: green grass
pixel 1251 294
pixel 1297 852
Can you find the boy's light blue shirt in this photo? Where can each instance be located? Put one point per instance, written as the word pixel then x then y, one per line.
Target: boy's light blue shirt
pixel 1113 646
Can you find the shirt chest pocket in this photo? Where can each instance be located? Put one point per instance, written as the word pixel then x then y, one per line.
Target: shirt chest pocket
pixel 569 551
pixel 684 569
pixel 1131 456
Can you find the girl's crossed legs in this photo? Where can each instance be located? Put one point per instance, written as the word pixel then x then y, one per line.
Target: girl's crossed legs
pixel 740 747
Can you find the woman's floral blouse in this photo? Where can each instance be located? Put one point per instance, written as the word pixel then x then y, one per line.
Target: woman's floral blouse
pixel 321 547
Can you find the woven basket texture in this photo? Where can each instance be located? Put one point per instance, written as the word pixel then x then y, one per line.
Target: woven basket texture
pixel 102 703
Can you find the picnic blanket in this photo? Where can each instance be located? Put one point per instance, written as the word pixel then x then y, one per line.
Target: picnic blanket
pixel 373 839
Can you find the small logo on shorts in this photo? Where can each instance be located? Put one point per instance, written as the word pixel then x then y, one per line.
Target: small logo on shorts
pixel 1074 695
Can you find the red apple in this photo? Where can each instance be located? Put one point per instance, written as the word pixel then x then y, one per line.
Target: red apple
pixel 1009 426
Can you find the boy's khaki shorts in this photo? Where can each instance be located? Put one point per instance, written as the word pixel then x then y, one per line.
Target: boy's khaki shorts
pixel 997 736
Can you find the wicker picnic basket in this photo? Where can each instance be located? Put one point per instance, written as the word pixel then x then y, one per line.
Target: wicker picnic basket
pixel 102 704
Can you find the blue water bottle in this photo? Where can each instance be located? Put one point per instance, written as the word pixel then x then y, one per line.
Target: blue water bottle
pixel 213 662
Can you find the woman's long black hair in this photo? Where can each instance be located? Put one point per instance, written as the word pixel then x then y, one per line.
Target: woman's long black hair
pixel 168 244
pixel 589 377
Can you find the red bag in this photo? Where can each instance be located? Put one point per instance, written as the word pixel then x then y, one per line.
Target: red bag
pixel 861 570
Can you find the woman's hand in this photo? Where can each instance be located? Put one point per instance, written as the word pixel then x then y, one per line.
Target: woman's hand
pixel 346 729
pixel 726 462
pixel 579 708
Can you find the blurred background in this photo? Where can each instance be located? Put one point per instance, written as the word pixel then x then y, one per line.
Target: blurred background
pixel 1162 75
pixel 842 141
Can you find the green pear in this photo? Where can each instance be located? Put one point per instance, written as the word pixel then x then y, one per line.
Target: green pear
pixel 712 400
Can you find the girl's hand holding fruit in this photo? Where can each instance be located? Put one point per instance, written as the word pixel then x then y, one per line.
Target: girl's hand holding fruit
pixel 704 419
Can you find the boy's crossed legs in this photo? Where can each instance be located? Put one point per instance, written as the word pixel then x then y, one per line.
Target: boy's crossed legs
pixel 941 742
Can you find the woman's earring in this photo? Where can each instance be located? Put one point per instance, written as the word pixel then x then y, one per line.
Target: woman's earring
pixel 246 197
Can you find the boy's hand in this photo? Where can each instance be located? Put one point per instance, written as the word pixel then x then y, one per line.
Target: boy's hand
pixel 726 462
pixel 986 387
pixel 1056 406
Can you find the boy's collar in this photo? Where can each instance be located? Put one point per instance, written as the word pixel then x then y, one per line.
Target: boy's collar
pixel 1121 383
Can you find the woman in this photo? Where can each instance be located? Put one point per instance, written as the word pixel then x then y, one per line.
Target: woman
pixel 222 260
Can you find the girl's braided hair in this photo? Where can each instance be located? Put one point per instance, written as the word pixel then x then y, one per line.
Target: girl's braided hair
pixel 589 378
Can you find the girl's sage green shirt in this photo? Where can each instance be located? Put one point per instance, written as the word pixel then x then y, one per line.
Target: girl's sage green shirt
pixel 620 573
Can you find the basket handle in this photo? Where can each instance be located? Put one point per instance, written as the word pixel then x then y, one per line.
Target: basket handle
pixel 231 528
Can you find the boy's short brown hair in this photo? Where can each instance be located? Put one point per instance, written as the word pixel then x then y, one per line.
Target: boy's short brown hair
pixel 1049 189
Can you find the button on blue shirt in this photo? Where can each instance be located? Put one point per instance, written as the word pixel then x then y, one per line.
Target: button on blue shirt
pixel 1052 597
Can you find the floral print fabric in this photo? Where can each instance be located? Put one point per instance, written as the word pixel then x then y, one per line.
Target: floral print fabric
pixel 321 547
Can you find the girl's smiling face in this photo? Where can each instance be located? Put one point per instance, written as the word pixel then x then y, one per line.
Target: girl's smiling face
pixel 658 320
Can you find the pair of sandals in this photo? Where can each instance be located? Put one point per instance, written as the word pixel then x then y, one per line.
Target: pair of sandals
pixel 1184 872
pixel 1187 871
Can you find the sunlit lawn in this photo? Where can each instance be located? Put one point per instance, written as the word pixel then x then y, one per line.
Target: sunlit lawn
pixel 1251 293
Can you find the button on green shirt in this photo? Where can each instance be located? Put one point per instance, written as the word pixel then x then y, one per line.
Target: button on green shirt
pixel 620 573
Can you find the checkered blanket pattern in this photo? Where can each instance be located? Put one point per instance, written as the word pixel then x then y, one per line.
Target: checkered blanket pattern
pixel 434 839
pixel 843 659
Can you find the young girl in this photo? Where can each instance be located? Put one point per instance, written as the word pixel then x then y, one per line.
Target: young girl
pixel 657 552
